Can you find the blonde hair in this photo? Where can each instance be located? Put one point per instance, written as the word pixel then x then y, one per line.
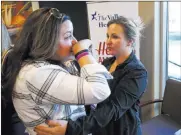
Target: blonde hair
pixel 132 28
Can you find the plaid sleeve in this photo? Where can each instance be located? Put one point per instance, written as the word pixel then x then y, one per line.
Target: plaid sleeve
pixel 56 86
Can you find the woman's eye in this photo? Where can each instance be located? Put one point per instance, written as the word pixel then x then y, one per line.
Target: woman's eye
pixel 69 37
pixel 107 35
pixel 114 36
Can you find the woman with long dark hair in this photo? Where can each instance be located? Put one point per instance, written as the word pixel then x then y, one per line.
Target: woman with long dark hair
pixel 38 82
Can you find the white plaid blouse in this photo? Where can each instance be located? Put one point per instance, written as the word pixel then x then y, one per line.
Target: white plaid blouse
pixel 45 91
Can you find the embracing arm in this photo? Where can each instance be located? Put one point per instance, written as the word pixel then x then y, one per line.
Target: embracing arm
pixel 126 93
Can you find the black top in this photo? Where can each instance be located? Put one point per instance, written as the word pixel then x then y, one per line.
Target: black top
pixel 119 113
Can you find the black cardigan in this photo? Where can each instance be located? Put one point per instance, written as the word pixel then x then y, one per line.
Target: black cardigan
pixel 118 114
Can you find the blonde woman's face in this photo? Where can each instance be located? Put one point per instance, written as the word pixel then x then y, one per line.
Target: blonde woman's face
pixel 66 37
pixel 116 42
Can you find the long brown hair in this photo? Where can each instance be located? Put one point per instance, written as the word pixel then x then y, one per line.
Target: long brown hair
pixel 38 40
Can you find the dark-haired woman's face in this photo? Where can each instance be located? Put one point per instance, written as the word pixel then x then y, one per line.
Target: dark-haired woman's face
pixel 117 42
pixel 66 37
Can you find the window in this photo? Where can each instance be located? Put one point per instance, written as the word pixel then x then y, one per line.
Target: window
pixel 174 44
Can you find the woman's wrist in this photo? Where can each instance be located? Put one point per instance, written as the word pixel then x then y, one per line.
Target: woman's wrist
pixel 81 54
pixel 87 59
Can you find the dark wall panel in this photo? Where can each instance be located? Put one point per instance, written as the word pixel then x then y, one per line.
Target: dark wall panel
pixel 76 10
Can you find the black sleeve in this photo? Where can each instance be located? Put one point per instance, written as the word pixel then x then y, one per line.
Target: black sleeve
pixel 126 93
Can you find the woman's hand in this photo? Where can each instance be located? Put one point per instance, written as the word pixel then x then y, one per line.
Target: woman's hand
pixel 56 127
pixel 81 45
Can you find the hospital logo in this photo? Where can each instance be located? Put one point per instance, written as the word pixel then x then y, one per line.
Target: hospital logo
pixel 94 16
pixel 103 19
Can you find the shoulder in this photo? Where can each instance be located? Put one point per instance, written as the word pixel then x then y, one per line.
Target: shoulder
pixel 133 69
pixel 135 65
pixel 39 69
pixel 40 65
pixel 137 77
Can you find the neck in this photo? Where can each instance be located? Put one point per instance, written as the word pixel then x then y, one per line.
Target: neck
pixel 123 57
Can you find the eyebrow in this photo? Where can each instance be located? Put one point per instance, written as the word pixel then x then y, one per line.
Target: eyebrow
pixel 111 34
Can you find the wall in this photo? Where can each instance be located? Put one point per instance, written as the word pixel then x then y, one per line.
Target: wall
pixel 153 53
pixel 77 10
pixel 146 12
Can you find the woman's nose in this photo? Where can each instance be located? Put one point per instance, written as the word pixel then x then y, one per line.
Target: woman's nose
pixel 74 40
pixel 108 43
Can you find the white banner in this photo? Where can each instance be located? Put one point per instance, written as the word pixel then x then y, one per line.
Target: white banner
pixel 99 13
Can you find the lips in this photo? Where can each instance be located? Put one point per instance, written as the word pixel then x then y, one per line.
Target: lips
pixel 109 48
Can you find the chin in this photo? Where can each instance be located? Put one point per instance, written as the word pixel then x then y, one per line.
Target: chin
pixel 113 53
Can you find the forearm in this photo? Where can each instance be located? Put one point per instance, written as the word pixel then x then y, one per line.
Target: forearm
pixel 82 126
pixel 80 50
pixel 88 59
pixel 88 124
